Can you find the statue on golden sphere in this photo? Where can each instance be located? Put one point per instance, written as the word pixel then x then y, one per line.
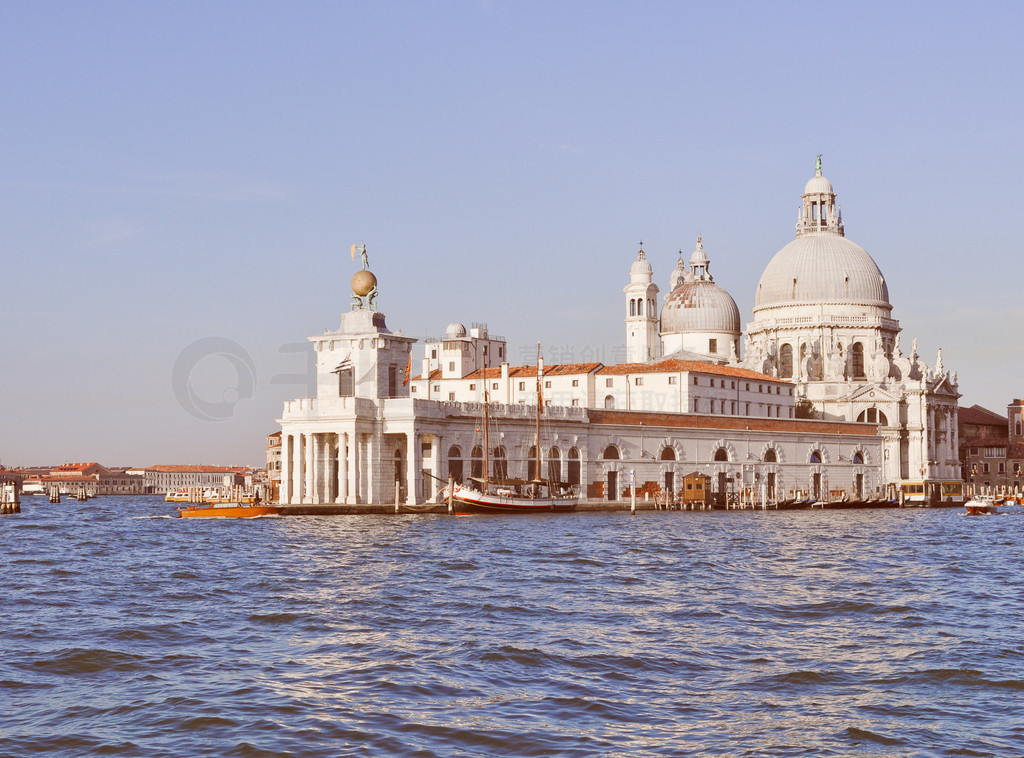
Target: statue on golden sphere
pixel 364 283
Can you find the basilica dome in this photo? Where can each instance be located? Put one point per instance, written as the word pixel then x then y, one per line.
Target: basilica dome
pixel 821 268
pixel 821 265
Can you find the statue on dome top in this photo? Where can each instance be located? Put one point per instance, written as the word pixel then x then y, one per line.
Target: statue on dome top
pixel 817 167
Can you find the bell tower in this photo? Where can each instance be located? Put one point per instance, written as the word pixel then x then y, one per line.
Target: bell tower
pixel 642 333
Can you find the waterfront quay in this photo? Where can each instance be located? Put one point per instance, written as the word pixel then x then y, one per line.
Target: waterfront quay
pixel 584 506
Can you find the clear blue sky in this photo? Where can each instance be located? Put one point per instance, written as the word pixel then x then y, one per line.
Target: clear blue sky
pixel 173 171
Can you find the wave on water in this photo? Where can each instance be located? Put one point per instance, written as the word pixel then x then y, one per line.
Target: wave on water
pixel 680 633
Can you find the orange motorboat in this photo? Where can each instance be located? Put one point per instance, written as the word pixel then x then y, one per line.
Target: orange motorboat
pixel 228 510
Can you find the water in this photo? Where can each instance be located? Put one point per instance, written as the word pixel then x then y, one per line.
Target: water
pixel 880 633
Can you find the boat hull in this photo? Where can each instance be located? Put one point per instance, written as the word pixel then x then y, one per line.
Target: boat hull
pixel 228 511
pixel 467 500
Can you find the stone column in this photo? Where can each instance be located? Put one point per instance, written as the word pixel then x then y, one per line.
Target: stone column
pixel 342 495
pixel 413 464
pixel 435 465
pixel 286 485
pixel 354 463
pixel 369 454
pixel 307 494
pixel 298 488
pixel 328 467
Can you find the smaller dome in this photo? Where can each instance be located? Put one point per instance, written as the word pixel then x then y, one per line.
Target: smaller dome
pixel 641 266
pixel 818 185
pixel 700 306
pixel 455 330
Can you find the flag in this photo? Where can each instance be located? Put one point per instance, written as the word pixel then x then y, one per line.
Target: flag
pixel 408 369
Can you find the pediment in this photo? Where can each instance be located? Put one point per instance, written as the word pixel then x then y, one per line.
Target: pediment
pixel 874 393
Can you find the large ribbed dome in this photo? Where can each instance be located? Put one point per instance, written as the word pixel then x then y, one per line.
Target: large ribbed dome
pixel 699 306
pixel 821 265
pixel 821 268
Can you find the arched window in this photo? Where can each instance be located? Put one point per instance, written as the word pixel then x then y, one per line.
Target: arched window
pixel 873 416
pixel 609 402
pixel 554 465
pixel 668 454
pixel 815 456
pixel 858 457
pixel 500 463
pixel 639 307
pixel 770 456
pixel 650 307
pixel 531 464
pixel 721 454
pixel 611 453
pixel 574 466
pixel 857 360
pixel 632 307
pixel 786 362
pixel 455 463
pixel 477 463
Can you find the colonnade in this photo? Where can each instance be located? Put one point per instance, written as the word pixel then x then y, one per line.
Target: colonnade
pixel 358 467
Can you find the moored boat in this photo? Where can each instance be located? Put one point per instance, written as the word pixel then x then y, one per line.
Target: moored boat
pixel 228 510
pixel 494 494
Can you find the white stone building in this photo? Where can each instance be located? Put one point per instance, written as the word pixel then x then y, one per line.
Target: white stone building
pixel 822 343
pixel 822 319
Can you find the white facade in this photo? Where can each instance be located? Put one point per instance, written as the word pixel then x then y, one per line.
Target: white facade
pixel 822 318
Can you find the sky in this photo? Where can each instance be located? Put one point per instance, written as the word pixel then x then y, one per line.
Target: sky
pixel 181 183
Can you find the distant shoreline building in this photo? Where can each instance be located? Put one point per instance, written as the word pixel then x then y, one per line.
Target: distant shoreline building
pixel 822 404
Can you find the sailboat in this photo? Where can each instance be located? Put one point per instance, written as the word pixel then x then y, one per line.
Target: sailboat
pixel 504 495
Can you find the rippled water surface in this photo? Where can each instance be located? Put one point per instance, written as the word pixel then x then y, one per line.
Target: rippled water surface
pixel 879 632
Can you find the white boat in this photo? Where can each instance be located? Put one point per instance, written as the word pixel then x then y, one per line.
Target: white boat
pixel 981 505
pixel 32 488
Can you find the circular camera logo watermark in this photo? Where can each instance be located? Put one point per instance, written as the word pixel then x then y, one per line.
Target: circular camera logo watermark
pixel 213 367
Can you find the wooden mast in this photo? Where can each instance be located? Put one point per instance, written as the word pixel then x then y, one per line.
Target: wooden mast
pixel 487 439
pixel 540 404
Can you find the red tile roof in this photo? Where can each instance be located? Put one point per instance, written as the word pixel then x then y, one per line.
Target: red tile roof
pixel 975 414
pixel 525 372
pixel 673 365
pixel 198 469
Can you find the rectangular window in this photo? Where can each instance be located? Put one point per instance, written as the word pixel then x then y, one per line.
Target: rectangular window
pixel 575 382
pixel 472 387
pixel 732 407
pixel 712 346
pixel 451 396
pixel 547 385
pixel 607 382
pixel 346 386
pixel 672 379
pixel 695 382
pixel 494 386
pixel 984 468
pixel 747 410
pixel 433 353
pixel 972 451
pixel 412 389
pixel 1002 467
pixel 522 386
pixel 576 401
pixel 638 381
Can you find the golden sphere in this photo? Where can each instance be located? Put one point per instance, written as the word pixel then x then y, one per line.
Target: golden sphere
pixel 363 282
